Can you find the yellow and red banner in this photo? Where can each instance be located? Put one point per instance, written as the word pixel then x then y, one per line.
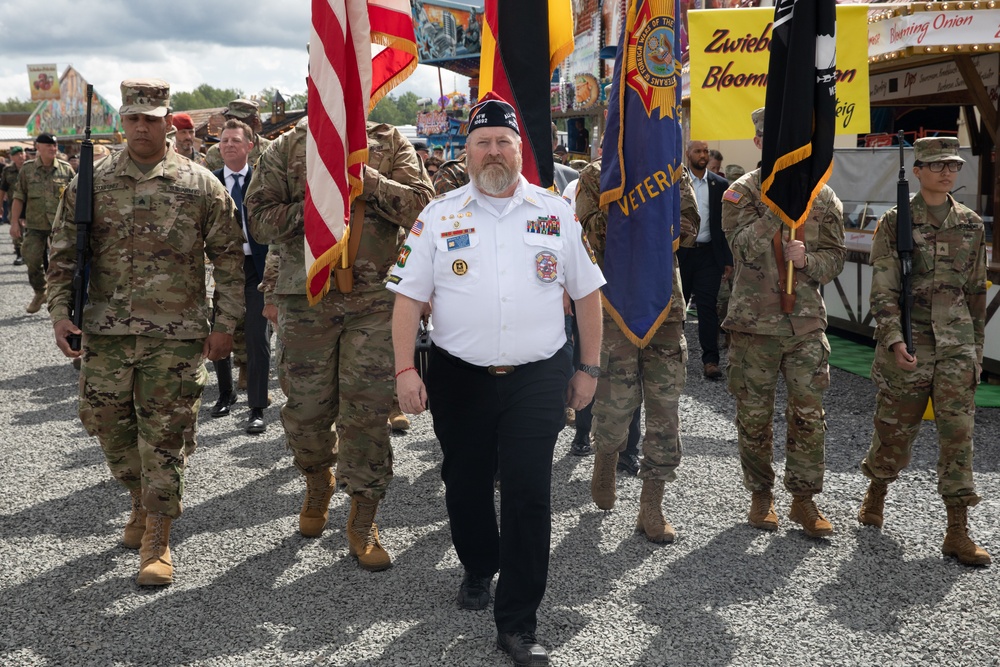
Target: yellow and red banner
pixel 730 51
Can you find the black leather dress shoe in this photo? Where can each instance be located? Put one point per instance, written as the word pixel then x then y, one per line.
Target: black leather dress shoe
pixel 474 593
pixel 522 647
pixel 221 407
pixel 256 422
pixel 629 464
pixel 581 445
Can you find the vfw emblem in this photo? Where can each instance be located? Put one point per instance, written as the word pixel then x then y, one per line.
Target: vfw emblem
pixel 652 69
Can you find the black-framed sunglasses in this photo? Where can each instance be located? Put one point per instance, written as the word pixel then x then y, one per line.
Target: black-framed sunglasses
pixel 938 167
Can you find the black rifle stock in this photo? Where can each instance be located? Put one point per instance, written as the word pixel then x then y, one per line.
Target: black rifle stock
pixel 904 246
pixel 83 217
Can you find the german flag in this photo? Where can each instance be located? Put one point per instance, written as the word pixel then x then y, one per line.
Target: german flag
pixel 801 104
pixel 523 42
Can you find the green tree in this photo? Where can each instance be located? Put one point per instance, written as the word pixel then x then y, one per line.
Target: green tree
pixel 204 97
pixel 14 104
pixel 394 110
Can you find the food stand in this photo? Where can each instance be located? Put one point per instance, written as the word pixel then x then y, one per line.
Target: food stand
pixel 927 54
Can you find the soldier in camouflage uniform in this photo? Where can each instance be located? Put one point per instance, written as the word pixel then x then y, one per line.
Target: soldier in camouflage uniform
pixel 146 330
pixel 246 111
pixel 8 178
pixel 948 325
pixel 336 361
pixel 764 341
pixel 184 137
pixel 40 184
pixel 630 376
pixel 451 176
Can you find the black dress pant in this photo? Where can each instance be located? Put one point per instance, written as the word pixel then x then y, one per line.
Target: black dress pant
pixel 258 339
pixel 507 424
pixel 701 276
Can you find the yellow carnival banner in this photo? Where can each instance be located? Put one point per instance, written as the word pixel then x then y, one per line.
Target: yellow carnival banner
pixel 730 49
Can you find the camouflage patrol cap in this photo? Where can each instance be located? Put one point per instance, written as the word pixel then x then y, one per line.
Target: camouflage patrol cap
pixel 145 96
pixel 241 109
pixel 734 171
pixel 758 120
pixel 936 149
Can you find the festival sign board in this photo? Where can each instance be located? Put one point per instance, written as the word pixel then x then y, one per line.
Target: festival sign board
pixel 730 53
pixel 447 31
pixel 933 79
pixel 935 30
pixel 43 81
pixel 67 116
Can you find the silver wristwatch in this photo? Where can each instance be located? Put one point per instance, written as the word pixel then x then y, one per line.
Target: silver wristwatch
pixel 592 371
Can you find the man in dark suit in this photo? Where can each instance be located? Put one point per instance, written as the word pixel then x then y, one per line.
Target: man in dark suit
pixel 235 145
pixel 704 266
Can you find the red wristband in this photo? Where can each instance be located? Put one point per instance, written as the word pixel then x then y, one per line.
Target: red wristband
pixel 410 368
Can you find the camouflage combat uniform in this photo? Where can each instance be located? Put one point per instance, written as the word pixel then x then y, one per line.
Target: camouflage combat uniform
pixel 630 376
pixel 451 176
pixel 336 362
pixel 948 324
pixel 147 314
pixel 8 179
pixel 766 342
pixel 40 188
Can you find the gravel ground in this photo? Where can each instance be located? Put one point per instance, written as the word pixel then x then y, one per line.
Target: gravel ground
pixel 250 591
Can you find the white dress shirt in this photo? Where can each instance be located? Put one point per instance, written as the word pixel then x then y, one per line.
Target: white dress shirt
pixel 497 278
pixel 230 179
pixel 700 186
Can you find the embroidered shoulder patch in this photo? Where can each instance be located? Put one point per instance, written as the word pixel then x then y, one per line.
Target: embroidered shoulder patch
pixel 732 196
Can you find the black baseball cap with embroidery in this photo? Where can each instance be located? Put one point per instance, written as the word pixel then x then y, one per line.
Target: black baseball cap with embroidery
pixel 493 111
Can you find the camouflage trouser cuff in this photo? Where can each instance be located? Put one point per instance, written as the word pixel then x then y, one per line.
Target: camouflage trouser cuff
pixel 968 500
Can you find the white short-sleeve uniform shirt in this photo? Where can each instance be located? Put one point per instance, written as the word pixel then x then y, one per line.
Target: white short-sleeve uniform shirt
pixel 496 277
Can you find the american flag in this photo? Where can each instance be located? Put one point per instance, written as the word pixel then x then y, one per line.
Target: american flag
pixel 358 52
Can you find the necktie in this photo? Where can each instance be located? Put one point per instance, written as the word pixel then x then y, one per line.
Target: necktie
pixel 237 193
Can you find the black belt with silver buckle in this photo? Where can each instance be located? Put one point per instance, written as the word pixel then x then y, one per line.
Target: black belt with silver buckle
pixel 500 371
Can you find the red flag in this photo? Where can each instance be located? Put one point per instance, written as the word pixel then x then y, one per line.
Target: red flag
pixel 358 52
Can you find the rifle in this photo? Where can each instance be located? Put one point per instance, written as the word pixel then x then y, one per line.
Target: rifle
pixel 83 217
pixel 904 246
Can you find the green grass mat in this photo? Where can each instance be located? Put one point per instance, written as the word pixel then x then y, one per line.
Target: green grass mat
pixel 857 358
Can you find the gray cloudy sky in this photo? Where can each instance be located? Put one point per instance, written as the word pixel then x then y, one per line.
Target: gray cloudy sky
pixel 251 46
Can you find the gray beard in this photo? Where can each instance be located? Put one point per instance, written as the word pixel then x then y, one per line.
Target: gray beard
pixel 494 179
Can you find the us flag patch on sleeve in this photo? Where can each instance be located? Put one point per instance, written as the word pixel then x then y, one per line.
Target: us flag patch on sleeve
pixel 732 196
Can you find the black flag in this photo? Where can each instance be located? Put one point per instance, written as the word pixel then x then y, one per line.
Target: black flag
pixel 801 107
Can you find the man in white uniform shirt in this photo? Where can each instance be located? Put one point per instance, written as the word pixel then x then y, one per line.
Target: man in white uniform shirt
pixel 495 256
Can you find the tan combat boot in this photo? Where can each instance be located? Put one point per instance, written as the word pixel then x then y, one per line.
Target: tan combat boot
pixel 957 542
pixel 362 535
pixel 397 420
pixel 36 303
pixel 136 524
pixel 873 505
pixel 805 512
pixel 602 483
pixel 316 505
pixel 762 514
pixel 243 380
pixel 155 566
pixel 651 521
